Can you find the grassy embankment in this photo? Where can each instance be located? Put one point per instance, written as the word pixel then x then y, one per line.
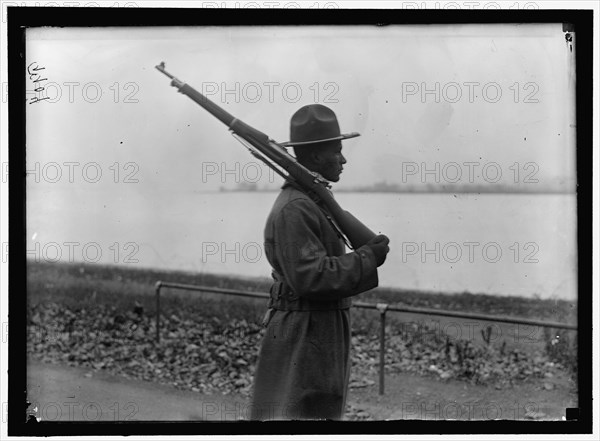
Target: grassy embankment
pixel 103 317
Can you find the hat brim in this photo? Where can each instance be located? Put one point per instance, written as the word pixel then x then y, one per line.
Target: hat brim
pixel 340 137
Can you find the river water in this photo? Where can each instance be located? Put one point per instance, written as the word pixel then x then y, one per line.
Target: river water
pixel 501 244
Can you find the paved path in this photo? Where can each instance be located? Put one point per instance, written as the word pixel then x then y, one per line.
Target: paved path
pixel 76 394
pixel 410 396
pixel 64 393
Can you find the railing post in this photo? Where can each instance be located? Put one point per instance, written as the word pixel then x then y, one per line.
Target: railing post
pixel 382 308
pixel 157 289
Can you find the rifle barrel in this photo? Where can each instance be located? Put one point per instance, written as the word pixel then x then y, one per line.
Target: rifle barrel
pixel 161 67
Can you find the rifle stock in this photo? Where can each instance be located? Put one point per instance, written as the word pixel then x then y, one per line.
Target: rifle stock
pixel 357 233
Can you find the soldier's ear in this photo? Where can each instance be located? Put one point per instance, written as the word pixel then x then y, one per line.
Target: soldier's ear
pixel 316 157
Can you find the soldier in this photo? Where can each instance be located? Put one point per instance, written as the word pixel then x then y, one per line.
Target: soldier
pixel 304 362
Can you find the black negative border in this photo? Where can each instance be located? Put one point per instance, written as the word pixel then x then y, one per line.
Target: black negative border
pixel 21 17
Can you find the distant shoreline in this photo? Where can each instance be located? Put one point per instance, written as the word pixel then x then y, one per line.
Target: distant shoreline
pixel 436 191
pixel 398 189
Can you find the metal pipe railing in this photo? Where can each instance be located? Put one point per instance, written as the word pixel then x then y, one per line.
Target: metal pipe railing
pixel 468 315
pixel 381 307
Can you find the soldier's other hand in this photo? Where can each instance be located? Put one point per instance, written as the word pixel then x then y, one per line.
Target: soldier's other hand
pixel 380 248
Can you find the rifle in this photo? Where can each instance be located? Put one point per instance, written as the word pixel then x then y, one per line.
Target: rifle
pixel 277 158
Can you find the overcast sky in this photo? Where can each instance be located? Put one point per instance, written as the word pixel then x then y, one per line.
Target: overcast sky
pixel 498 94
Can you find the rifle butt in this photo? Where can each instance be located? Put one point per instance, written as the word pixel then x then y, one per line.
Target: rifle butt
pixel 357 233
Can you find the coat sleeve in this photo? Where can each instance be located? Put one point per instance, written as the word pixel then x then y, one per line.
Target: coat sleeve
pixel 305 262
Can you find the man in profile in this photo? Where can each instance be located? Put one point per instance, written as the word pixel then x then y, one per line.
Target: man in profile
pixel 304 361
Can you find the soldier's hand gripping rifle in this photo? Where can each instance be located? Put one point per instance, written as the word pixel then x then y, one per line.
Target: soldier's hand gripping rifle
pixel 277 157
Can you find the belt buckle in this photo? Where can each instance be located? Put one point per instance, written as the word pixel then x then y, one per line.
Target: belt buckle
pixel 292 296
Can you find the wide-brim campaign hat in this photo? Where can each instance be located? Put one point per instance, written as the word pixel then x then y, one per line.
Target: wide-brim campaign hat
pixel 313 124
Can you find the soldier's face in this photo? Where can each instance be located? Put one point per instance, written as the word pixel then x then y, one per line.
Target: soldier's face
pixel 331 161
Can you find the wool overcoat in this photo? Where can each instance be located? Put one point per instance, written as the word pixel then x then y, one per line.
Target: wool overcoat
pixel 304 361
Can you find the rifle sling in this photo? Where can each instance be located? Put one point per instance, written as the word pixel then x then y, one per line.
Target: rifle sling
pixel 317 200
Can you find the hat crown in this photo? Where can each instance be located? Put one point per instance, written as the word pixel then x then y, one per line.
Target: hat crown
pixel 314 123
